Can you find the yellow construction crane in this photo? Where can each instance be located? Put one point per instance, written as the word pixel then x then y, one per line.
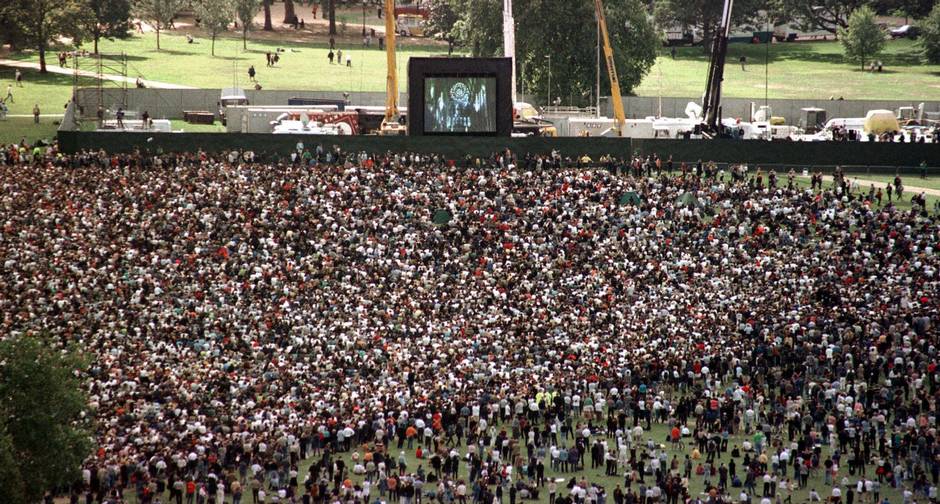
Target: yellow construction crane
pixel 390 125
pixel 615 97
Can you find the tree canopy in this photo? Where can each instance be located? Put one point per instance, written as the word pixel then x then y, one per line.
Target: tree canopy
pixel 827 15
pixel 44 432
pixel 862 39
pixel 702 15
pixel 215 16
pixel 105 19
pixel 159 13
pixel 36 23
pixel 929 41
pixel 567 52
pixel 245 12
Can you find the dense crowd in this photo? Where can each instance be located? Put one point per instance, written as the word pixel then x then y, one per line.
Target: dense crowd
pixel 506 317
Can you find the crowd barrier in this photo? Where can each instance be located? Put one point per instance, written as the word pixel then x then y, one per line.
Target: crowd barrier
pixel 879 157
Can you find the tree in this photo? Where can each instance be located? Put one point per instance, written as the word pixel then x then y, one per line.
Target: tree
pixel 828 15
pixel 862 38
pixel 703 16
pixel 930 36
pixel 916 9
pixel 214 16
pixel 158 13
pixel 571 43
pixel 245 12
pixel 267 15
pixel 289 14
pixel 444 22
pixel 106 19
pixel 39 22
pixel 331 11
pixel 44 433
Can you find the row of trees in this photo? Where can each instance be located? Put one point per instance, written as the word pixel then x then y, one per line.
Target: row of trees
pixel 214 16
pixel 37 24
pixel 555 39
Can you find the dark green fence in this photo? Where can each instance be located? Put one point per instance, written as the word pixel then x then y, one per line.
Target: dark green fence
pixel 885 156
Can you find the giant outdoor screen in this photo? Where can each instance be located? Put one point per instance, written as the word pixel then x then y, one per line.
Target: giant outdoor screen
pixel 460 104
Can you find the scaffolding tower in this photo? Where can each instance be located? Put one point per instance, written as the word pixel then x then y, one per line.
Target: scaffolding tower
pixel 107 73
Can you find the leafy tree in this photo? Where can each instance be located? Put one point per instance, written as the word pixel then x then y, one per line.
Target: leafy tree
pixel 10 32
pixel 158 13
pixel 37 23
pixel 44 435
pixel 482 27
pixel 245 12
pixel 904 8
pixel 10 480
pixel 862 38
pixel 930 36
pixel 444 21
pixel 214 16
pixel 828 15
pixel 106 19
pixel 702 15
pixel 571 43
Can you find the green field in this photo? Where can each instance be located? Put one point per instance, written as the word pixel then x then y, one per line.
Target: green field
pixel 301 66
pixel 597 476
pixel 794 70
pixel 15 129
pixel 798 70
pixel 931 182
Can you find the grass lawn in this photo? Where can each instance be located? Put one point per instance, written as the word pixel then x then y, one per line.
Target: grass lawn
pixel 14 129
pixel 302 65
pixel 181 125
pixel 51 91
pixel 797 70
pixel 904 204
pixel 931 182
pixel 658 433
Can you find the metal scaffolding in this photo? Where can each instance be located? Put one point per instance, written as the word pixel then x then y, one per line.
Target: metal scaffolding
pixel 107 72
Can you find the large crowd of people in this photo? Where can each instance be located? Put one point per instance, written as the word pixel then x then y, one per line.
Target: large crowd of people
pixel 509 318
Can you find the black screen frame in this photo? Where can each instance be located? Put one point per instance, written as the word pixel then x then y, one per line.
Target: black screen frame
pixel 420 69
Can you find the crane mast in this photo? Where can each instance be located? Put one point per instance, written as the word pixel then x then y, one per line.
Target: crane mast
pixel 711 106
pixel 615 97
pixel 390 125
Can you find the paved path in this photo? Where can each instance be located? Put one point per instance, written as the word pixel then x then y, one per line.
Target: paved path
pixel 84 73
pixel 864 183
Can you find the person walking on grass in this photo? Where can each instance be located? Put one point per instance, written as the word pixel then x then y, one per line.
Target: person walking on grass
pixel 36 113
pixel 9 97
pixel 19 78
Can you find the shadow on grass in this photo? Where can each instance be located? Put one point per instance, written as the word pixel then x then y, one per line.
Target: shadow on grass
pixel 33 76
pixel 52 59
pixel 173 52
pixel 816 52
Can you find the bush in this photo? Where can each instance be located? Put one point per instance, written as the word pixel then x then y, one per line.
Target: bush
pixel 930 36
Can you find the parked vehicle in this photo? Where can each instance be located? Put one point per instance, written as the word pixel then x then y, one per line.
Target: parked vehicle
pixel 905 31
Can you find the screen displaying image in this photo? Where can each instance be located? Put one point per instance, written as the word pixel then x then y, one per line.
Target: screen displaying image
pixel 460 104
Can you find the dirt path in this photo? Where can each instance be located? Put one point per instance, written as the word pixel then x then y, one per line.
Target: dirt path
pixel 84 73
pixel 864 183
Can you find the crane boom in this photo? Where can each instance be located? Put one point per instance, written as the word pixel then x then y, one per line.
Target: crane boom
pixel 711 106
pixel 391 84
pixel 615 97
